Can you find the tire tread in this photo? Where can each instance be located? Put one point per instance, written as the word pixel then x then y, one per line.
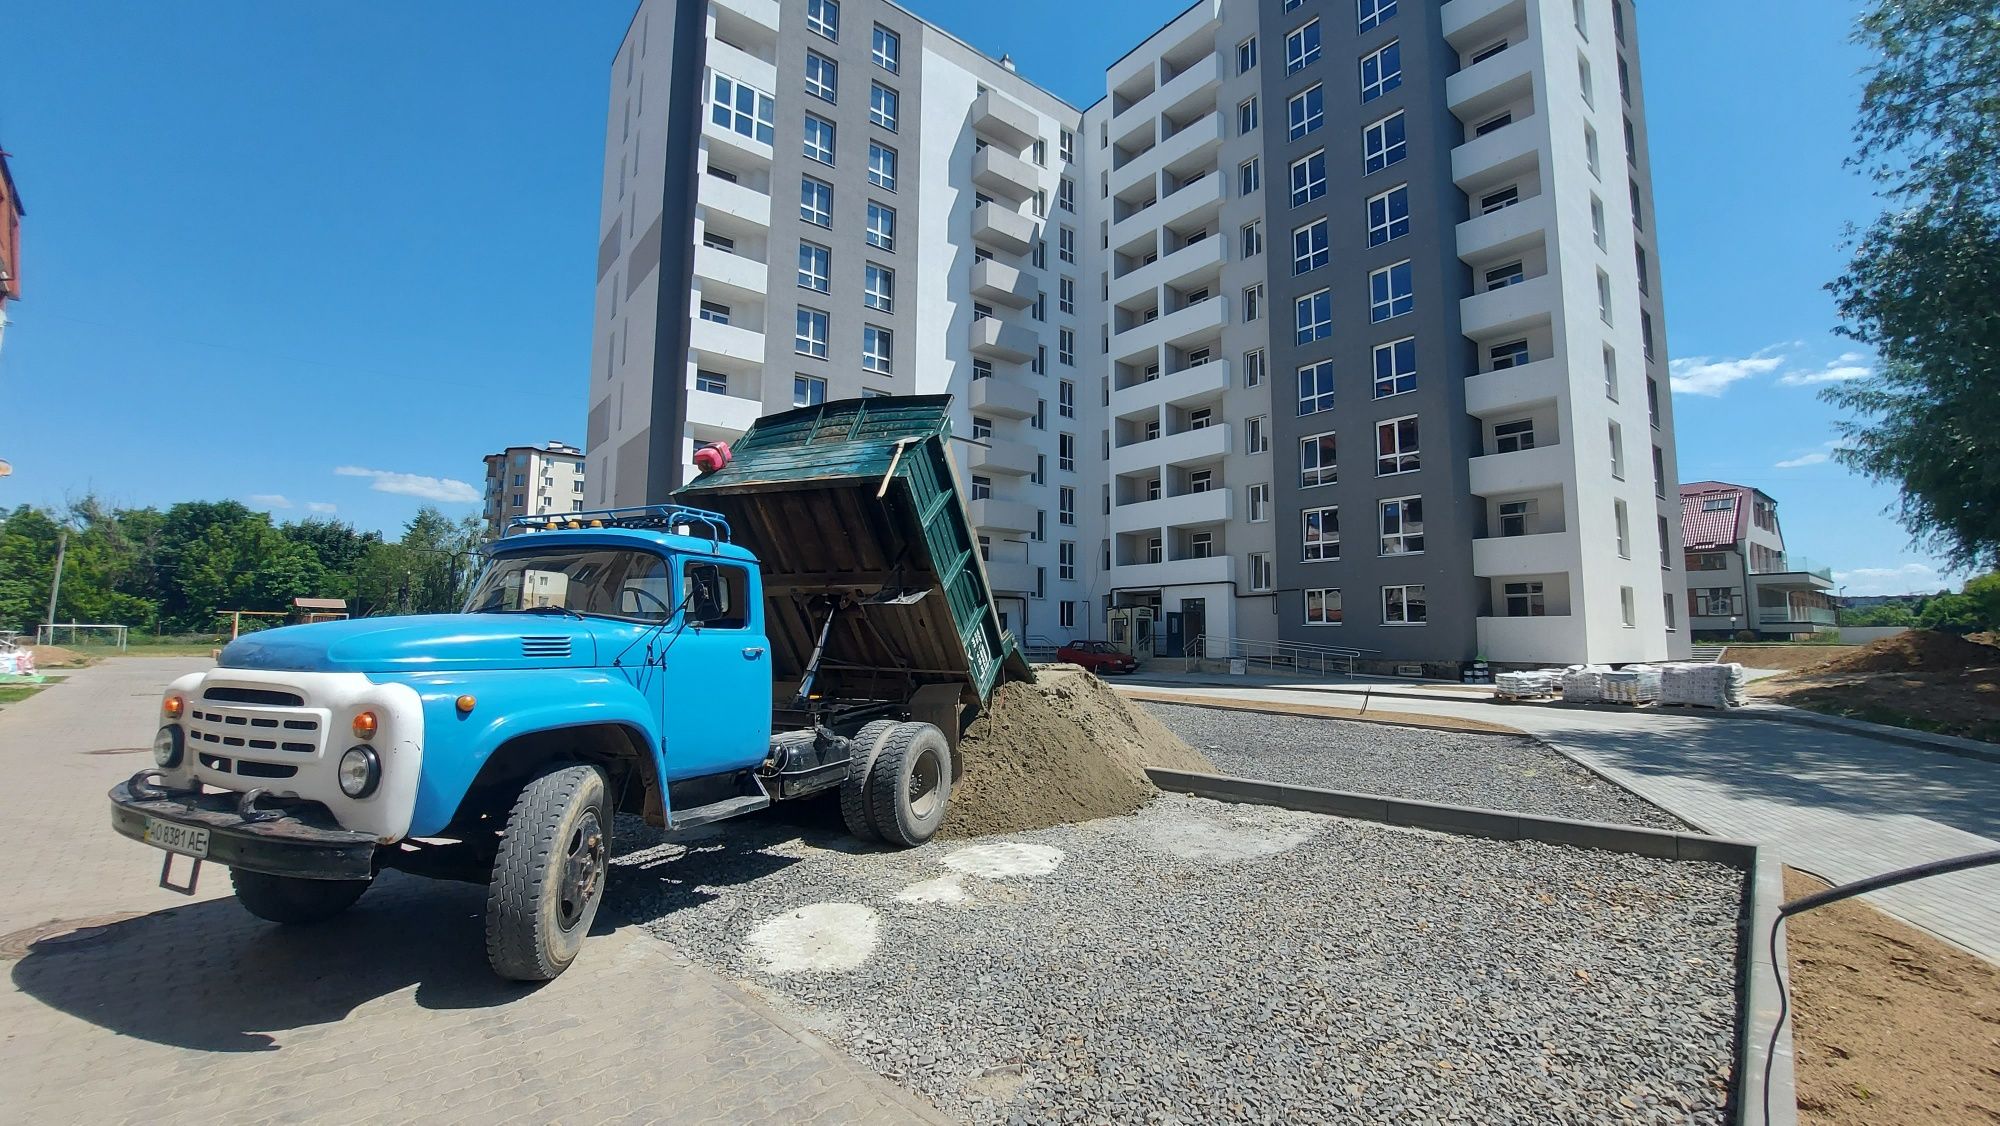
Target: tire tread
pixel 516 942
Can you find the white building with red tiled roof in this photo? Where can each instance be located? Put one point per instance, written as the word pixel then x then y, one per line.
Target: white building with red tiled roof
pixel 1740 577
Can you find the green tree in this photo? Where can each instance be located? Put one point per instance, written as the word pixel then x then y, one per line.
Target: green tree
pixel 1923 287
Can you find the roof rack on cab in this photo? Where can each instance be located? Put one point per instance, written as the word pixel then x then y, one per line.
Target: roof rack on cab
pixel 678 518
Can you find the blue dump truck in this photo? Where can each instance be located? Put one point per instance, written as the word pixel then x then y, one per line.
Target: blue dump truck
pixel 811 618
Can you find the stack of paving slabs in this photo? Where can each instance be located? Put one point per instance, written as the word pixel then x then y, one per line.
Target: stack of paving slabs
pixel 1703 685
pixel 1633 684
pixel 1533 685
pixel 1584 684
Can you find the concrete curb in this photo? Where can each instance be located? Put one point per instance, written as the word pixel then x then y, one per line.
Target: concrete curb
pixel 1408 720
pixel 1921 740
pixel 1758 990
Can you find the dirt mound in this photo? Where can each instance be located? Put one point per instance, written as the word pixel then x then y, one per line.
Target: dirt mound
pixel 1788 657
pixel 1919 650
pixel 1065 748
pixel 56 657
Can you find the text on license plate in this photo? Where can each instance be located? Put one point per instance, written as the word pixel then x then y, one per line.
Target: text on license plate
pixel 188 840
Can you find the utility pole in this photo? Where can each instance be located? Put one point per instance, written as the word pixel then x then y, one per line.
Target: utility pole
pixel 55 588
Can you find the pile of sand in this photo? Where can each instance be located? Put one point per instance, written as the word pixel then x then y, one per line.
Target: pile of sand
pixel 1919 650
pixel 1065 748
pixel 56 657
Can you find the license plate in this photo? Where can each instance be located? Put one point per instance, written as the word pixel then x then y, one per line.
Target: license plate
pixel 188 840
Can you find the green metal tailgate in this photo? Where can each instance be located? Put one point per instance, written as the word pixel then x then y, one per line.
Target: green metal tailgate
pixel 854 497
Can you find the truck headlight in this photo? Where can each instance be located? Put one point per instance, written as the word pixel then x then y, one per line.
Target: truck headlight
pixel 167 746
pixel 360 771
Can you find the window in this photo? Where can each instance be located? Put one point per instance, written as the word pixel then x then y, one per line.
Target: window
pixel 882 166
pixel 1323 606
pixel 1396 447
pixel 1622 519
pixel 1314 316
pixel 1040 255
pixel 1617 451
pixel 1066 244
pixel 1384 143
pixel 878 349
pixel 1320 534
pixel 1500 277
pixel 819 139
pixel 1257 434
pixel 1263 576
pixel 1253 302
pixel 1373 12
pixel 1253 368
pixel 1040 309
pixel 1253 239
pixel 808 390
pixel 1516 516
pixel 1495 201
pixel 822 76
pixel 1396 367
pixel 1590 151
pixel 1066 295
pixel 1201 419
pixel 1493 124
pixel 714 241
pixel 1250 176
pixel 1066 398
pixel 1666 545
pixel 1381 72
pixel 1065 145
pixel 1153 488
pixel 1631 144
pixel 1066 346
pixel 1524 600
pixel 1305 112
pixel 1645 274
pixel 823 18
pixel 1652 399
pixel 1611 376
pixel 715 311
pixel 712 382
pixel 1389 215
pixel 1597 221
pixel 1310 246
pixel 982 369
pixel 1318 461
pixel 742 109
pixel 1512 354
pixel 1040 364
pixel 1066 614
pixel 879 288
pixel 1308 178
pixel 1618 21
pixel 1515 436
pixel 1246 55
pixel 1403 606
pixel 882 106
pixel 1041 202
pixel 1066 194
pixel 1066 452
pixel 888 49
pixel 816 201
pixel 881 226
pixel 812 334
pixel 982 428
pixel 1402 526
pixel 815 266
pixel 1201 481
pixel 1259 499
pixel 1066 561
pixel 1638 219
pixel 1584 83
pixel 1391 292
pixel 1301 46
pixel 1627 612
pixel 1246 116
pixel 1041 152
pixel 1646 333
pixel 1604 296
pixel 1154 551
pixel 1316 387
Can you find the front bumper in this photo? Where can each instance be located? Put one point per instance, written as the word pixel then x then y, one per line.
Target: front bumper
pixel 299 840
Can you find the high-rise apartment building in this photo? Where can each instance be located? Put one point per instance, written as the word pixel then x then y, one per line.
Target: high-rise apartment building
pixel 1335 322
pixel 544 480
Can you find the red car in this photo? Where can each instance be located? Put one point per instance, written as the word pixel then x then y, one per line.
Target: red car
pixel 1098 656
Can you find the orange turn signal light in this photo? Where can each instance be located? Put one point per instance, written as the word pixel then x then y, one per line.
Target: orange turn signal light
pixel 465 703
pixel 172 707
pixel 364 725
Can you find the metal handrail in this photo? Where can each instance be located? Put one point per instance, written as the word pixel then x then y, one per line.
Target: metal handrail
pixel 1294 655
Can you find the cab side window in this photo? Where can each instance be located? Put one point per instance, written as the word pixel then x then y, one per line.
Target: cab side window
pixel 718 596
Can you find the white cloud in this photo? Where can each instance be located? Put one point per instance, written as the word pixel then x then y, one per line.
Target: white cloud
pixel 321 507
pixel 1801 461
pixel 1910 578
pixel 1705 375
pixel 267 500
pixel 1850 365
pixel 442 489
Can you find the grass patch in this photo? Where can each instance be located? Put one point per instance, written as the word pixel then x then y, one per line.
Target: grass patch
pixel 15 693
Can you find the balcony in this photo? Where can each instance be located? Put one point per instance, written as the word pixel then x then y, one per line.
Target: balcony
pixel 1000 396
pixel 730 413
pixel 727 58
pixel 1550 640
pixel 1187 151
pixel 1506 152
pixel 720 271
pixel 757 11
pixel 1004 174
pixel 1190 262
pixel 1189 447
pixel 1003 515
pixel 1474 23
pixel 735 200
pixel 1008 122
pixel 1003 227
pixel 1806 616
pixel 991 456
pixel 1487 87
pixel 1012 578
pixel 1512 389
pixel 1185 510
pixel 1550 553
pixel 996 281
pixel 997 340
pixel 1193 203
pixel 1509 230
pixel 1519 472
pixel 1197 83
pixel 1797 580
pixel 1180 388
pixel 1177 329
pixel 728 342
pixel 1509 309
pixel 1174 572
pixel 739 151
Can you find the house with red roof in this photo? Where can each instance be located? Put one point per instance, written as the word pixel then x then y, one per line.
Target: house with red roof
pixel 1740 577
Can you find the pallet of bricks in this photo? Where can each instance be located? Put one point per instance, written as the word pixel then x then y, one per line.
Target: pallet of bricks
pixel 1634 685
pixel 1702 685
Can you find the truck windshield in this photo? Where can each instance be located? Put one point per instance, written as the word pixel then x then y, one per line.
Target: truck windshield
pixel 608 582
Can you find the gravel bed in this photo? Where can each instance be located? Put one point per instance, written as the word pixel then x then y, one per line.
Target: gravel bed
pixel 1200 962
pixel 1509 772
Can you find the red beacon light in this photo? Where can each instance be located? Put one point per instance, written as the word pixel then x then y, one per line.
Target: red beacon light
pixel 712 457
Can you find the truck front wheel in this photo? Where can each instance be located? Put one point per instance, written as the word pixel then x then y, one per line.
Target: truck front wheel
pixel 291 900
pixel 909 785
pixel 549 874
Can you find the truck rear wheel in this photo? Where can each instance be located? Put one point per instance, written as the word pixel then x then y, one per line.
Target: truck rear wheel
pixel 549 874
pixel 854 807
pixel 291 900
pixel 909 785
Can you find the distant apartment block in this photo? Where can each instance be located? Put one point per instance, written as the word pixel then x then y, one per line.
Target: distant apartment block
pixel 545 480
pixel 11 212
pixel 1740 576
pixel 1333 323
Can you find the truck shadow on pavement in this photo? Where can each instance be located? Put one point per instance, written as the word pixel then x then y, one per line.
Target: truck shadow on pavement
pixel 655 873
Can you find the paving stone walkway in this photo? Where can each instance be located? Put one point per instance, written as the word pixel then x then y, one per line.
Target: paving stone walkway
pixel 189 1010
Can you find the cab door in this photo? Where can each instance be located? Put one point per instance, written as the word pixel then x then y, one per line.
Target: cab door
pixel 717 674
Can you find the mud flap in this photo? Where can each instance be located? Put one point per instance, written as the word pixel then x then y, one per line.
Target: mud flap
pixel 166 875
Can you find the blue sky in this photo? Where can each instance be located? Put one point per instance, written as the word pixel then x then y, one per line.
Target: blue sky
pixel 321 259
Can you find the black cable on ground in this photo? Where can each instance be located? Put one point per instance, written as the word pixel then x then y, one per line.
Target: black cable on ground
pixel 1835 895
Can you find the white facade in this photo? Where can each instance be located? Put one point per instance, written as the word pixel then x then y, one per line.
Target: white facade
pixel 546 480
